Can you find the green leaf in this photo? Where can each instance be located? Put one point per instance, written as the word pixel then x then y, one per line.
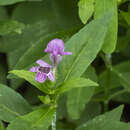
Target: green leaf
pixel 119 76
pixel 90 73
pixel 101 7
pixel 105 125
pixel 10 26
pixel 79 97
pixel 61 111
pixel 114 81
pixel 30 77
pixel 4 14
pixel 63 13
pixel 37 120
pixel 3 74
pixel 75 83
pixel 102 122
pixel 91 110
pixel 123 42
pixel 84 46
pixel 45 99
pixel 77 100
pixel 12 104
pixel 6 114
pixel 126 16
pixel 86 9
pixel 25 60
pixel 115 114
pixel 1 126
pixel 122 71
pixel 8 2
pixel 122 97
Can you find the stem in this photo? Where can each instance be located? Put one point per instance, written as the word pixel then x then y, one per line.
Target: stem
pixel 54 122
pixel 117 93
pixel 106 91
pixel 107 60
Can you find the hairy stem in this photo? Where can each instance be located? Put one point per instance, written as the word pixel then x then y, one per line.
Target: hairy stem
pixel 53 124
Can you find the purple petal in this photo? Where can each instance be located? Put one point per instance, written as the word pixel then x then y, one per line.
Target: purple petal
pixel 67 53
pixel 34 69
pixel 40 77
pixel 51 76
pixel 55 47
pixel 55 59
pixel 43 63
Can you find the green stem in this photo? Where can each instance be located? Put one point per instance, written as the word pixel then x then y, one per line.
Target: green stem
pixel 107 61
pixel 117 93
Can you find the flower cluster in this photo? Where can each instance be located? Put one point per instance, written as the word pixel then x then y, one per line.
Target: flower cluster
pixel 56 50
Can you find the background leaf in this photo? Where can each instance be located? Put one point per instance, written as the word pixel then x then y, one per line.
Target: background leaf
pixel 36 120
pixel 91 38
pixel 86 9
pixel 101 121
pixel 8 2
pixel 78 98
pixel 101 7
pixel 13 103
pixel 10 26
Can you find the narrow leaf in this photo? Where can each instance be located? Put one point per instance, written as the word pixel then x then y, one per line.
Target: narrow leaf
pixel 30 77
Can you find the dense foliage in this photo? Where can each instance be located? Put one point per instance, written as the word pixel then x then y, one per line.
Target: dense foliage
pixel 88 83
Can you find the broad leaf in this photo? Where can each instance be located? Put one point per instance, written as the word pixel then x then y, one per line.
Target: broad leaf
pixel 123 41
pixel 122 71
pixel 12 103
pixel 126 16
pixel 3 13
pixel 30 77
pixel 6 114
pixel 86 9
pixel 101 7
pixel 8 2
pixel 105 125
pixel 91 110
pixel 10 26
pixel 119 76
pixel 39 119
pixel 1 126
pixel 84 46
pixel 36 51
pixel 63 13
pixel 3 74
pixel 98 122
pixel 77 100
pixel 79 97
pixel 75 83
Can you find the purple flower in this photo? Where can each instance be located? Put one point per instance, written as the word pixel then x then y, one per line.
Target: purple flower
pixel 56 48
pixel 43 71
